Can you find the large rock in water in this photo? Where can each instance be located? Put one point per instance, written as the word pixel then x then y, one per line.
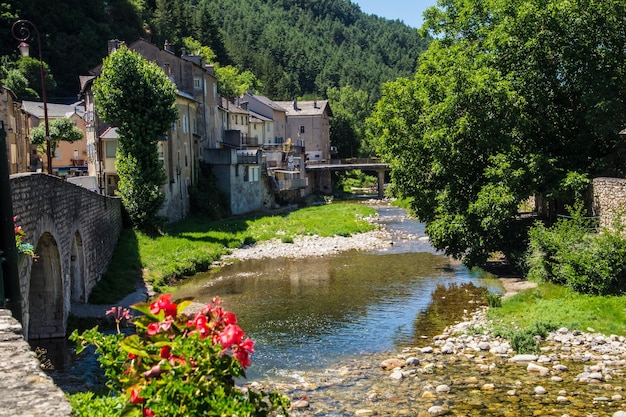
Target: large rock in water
pixel 393 363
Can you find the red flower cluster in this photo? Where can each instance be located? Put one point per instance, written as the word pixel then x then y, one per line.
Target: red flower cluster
pixel 163 303
pixel 221 325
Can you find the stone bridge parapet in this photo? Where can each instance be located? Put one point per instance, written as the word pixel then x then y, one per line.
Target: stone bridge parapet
pixel 26 389
pixel 74 232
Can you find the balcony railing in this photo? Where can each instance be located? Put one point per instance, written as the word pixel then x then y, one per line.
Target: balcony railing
pixel 292 184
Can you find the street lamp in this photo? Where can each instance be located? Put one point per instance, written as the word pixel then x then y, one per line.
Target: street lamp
pixel 21 31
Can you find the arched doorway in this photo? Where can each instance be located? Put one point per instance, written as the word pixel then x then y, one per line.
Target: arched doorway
pixel 77 270
pixel 45 297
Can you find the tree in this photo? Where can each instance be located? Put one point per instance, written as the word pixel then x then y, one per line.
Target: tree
pixel 60 130
pixel 138 98
pixel 233 83
pixel 350 109
pixel 512 98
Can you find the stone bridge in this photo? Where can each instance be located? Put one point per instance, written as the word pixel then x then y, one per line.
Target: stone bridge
pixel 74 232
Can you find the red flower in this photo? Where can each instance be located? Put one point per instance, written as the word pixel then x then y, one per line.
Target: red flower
pixel 230 318
pixel 247 345
pixel 231 335
pixel 147 413
pixel 164 303
pixel 166 352
pixel 243 358
pixel 134 396
pixel 153 328
pixel 131 356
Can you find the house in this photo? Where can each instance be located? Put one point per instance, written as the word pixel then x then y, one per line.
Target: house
pixel 18 149
pixel 309 122
pixel 68 159
pixel 284 154
pixel 238 162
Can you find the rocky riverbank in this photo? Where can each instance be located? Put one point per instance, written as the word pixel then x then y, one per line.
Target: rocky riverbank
pixel 466 371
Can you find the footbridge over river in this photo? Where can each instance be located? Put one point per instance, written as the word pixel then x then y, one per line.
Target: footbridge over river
pixel 364 164
pixel 74 232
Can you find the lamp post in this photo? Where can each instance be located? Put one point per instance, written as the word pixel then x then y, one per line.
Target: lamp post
pixel 21 31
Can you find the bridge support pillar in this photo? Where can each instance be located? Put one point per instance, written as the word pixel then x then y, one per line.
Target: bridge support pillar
pixel 381 184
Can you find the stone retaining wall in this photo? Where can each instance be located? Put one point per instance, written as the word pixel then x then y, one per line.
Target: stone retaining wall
pixel 609 199
pixel 26 390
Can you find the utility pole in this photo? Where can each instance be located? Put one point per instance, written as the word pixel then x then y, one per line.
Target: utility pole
pixel 10 294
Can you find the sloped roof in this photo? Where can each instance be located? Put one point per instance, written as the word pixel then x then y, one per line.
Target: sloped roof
pixel 305 108
pixel 272 104
pixel 110 133
pixel 259 117
pixel 55 111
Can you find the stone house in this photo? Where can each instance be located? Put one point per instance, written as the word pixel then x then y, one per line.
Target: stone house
pixel 309 122
pixel 238 161
pixel 15 126
pixel 69 159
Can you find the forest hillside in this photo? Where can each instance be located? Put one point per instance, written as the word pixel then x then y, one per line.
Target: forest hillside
pixel 296 48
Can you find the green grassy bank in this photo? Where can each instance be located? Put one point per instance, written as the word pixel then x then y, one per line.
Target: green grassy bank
pixel 555 306
pixel 193 244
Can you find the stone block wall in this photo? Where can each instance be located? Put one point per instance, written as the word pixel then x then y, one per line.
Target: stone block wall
pixel 26 389
pixel 608 199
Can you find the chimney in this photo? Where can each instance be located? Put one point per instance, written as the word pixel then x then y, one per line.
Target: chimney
pixel 295 104
pixel 168 47
pixel 315 104
pixel 113 45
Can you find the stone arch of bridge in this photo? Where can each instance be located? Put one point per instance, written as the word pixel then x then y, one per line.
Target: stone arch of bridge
pixel 45 294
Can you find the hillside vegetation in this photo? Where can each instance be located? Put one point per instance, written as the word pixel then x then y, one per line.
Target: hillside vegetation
pixel 295 47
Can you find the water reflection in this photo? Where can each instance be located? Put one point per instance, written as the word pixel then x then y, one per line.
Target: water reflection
pixel 309 313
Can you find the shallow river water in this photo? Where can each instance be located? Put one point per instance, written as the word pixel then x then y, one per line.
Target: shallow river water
pixel 308 313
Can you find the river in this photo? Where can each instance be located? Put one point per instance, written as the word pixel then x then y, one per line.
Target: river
pixel 306 314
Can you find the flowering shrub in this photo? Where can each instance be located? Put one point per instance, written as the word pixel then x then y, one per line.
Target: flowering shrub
pixel 180 365
pixel 25 248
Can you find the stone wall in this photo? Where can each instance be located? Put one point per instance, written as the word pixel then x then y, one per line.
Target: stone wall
pixel 26 390
pixel 74 232
pixel 608 199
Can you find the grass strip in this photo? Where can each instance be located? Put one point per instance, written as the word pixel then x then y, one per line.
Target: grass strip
pixel 192 245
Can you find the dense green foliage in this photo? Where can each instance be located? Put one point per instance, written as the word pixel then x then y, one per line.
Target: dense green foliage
pixel 512 98
pixel 572 253
pixel 137 96
pixel 294 47
pixel 62 129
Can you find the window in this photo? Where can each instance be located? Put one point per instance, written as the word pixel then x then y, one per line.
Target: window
pixel 251 173
pixel 301 129
pixel 268 127
pixel 185 124
pixel 197 83
pixel 111 148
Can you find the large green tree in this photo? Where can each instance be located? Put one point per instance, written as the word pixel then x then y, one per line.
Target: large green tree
pixel 62 129
pixel 138 98
pixel 350 108
pixel 513 98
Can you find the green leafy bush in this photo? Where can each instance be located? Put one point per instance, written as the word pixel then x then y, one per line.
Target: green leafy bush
pixel 526 340
pixel 494 300
pixel 572 253
pixel 178 364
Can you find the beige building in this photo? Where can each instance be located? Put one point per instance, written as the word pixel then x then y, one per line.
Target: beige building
pixel 69 159
pixel 15 126
pixel 309 123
